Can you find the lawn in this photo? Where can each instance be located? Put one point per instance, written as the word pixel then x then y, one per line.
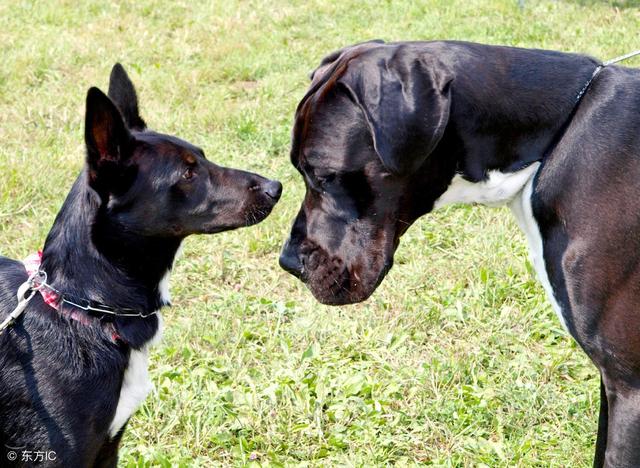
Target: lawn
pixel 456 360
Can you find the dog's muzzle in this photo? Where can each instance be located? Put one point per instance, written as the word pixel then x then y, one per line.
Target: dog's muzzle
pixel 290 261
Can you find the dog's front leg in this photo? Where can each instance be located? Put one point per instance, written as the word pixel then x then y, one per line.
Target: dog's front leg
pixel 623 435
pixel 603 420
pixel 108 455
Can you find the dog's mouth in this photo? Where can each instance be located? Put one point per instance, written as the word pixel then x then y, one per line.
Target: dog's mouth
pixel 247 217
pixel 257 213
pixel 333 282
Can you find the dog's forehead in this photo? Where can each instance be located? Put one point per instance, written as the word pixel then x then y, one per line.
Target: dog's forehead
pixel 336 149
pixel 327 159
pixel 329 147
pixel 170 146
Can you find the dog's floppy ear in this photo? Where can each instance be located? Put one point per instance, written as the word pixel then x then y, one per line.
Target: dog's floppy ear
pixel 333 56
pixel 108 143
pixel 123 94
pixel 405 103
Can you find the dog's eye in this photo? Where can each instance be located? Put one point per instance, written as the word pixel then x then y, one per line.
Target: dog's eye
pixel 325 179
pixel 189 174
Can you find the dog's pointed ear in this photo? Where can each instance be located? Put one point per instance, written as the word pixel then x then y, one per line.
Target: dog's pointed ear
pixel 123 94
pixel 406 105
pixel 108 141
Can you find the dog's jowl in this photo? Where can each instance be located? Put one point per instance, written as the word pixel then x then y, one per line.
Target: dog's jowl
pixel 73 366
pixel 388 132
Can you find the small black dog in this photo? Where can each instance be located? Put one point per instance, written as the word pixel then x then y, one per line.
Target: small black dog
pixel 73 367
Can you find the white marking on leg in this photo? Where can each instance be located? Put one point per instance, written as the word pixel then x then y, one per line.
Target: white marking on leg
pixel 523 212
pixel 498 189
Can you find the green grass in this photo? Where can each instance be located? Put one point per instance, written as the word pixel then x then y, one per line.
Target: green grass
pixel 457 359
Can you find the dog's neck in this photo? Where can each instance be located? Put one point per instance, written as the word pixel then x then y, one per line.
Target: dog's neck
pixel 508 105
pixel 86 257
pixel 508 109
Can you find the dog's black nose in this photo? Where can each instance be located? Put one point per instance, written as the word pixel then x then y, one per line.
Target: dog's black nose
pixel 290 262
pixel 273 188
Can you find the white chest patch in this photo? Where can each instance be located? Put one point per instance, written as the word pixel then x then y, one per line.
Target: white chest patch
pixel 499 188
pixel 515 189
pixel 523 212
pixel 163 288
pixel 135 387
pixel 136 384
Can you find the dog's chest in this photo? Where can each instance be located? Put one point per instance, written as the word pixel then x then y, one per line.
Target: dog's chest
pixel 135 387
pixel 136 383
pixel 498 189
pixel 523 212
pixel 514 189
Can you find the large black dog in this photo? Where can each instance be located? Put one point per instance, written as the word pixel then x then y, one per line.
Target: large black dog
pixel 388 132
pixel 73 367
